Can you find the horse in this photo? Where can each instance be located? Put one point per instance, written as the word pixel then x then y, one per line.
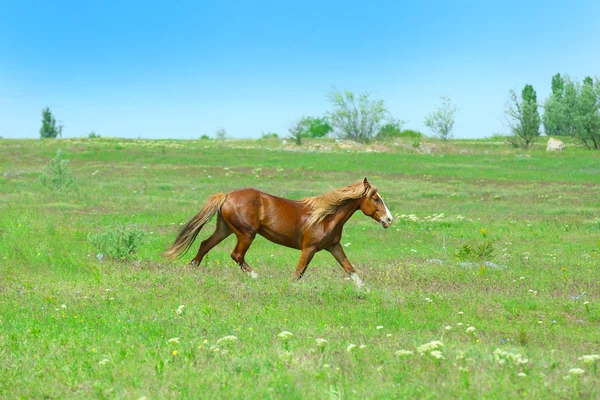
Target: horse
pixel 310 225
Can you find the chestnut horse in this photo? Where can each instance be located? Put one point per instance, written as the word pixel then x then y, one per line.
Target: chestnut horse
pixel 311 224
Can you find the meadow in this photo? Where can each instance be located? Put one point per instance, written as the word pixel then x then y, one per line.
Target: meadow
pixel 487 285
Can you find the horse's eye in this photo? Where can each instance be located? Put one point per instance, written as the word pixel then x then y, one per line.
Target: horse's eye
pixel 376 200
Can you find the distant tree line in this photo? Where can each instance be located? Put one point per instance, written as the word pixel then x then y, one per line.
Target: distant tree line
pixel 572 109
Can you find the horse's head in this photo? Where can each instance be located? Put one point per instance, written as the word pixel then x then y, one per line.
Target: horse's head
pixel 373 206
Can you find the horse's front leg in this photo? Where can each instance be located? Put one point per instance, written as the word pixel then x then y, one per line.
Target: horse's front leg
pixel 305 257
pixel 338 252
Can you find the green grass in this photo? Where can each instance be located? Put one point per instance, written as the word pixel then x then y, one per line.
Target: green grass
pixel 74 326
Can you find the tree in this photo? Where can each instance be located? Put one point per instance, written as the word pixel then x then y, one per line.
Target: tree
pixel 441 121
pixel 220 134
pixel 392 129
pixel 317 127
pixel 523 118
pixel 356 117
pixel 587 114
pixel 309 127
pixel 298 131
pixel 49 128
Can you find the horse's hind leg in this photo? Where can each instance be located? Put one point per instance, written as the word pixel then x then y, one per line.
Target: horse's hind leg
pixel 221 232
pixel 238 253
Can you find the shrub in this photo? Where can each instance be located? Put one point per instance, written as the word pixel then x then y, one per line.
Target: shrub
pixel 93 135
pixel 482 251
pixel 117 243
pixel 56 173
pixel 269 135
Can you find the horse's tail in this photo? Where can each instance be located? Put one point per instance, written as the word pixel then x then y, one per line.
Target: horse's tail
pixel 187 234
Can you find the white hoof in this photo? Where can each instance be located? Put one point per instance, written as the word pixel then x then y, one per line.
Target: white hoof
pixel 357 281
pixel 253 274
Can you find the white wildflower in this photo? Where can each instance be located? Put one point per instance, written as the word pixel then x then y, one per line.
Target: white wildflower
pixel 321 342
pixel 285 335
pixel 522 374
pixel 471 329
pixel 589 359
pixel 401 353
pixel 350 347
pixel 437 354
pixel 576 371
pixel 448 328
pixel 427 347
pixel 379 327
pixel 174 340
pixel 63 306
pixel 227 339
pixel 179 310
pixel 104 361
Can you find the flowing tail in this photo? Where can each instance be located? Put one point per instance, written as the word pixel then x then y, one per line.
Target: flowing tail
pixel 187 234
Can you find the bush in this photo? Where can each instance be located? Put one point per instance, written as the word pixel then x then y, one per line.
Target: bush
pixel 56 173
pixel 269 135
pixel 117 243
pixel 93 135
pixel 482 251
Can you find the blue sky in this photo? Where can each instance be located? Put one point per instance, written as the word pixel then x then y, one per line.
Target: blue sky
pixel 182 69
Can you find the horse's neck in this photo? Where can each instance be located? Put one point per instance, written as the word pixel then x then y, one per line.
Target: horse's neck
pixel 345 212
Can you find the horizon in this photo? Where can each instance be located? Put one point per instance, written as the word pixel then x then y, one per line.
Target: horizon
pixel 179 71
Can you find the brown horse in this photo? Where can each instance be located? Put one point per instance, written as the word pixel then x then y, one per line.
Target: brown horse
pixel 311 224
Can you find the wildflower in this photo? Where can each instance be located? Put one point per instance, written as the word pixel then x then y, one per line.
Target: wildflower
pixel 174 340
pixel 362 346
pixel 63 306
pixel 522 374
pixel 379 327
pixel 586 303
pixel 437 354
pixel 226 339
pixel 285 335
pixel 104 361
pixel 321 342
pixel 448 328
pixel 347 244
pixel 589 359
pixel 401 353
pixel 483 232
pixel 174 352
pixel 576 371
pixel 179 310
pixel 427 347
pixel 460 313
pixel 350 347
pixel 471 329
pixel 459 324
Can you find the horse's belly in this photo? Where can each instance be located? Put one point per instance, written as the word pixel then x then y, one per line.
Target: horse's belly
pixel 282 237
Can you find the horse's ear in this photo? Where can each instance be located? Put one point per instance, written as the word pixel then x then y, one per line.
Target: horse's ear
pixel 366 182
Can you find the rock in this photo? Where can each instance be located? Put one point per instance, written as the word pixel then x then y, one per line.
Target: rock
pixel 555 145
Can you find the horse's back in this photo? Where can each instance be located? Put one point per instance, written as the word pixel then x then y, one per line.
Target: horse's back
pixel 277 219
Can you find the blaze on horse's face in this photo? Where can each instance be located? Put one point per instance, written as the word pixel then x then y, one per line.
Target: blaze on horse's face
pixel 373 206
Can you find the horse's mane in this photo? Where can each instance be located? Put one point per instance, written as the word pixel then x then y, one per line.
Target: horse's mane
pixel 328 203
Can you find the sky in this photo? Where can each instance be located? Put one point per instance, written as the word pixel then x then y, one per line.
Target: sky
pixel 183 69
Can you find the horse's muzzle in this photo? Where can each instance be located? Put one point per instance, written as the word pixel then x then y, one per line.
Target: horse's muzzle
pixel 387 222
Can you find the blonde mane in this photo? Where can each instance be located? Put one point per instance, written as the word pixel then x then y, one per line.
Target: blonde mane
pixel 328 203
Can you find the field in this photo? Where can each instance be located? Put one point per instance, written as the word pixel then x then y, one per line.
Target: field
pixel 494 253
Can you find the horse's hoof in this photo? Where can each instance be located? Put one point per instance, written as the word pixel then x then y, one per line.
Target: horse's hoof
pixel 253 274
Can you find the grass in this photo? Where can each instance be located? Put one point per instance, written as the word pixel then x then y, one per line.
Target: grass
pixel 80 326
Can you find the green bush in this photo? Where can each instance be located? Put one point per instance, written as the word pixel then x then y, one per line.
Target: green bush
pixel 56 173
pixel 482 251
pixel 117 243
